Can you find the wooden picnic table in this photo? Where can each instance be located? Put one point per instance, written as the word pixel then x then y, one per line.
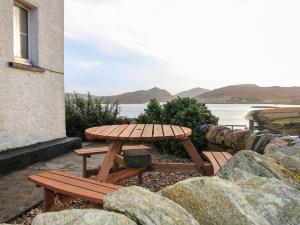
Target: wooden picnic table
pixel 113 170
pixel 116 135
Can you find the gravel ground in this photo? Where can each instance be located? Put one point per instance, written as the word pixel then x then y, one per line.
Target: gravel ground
pixel 154 181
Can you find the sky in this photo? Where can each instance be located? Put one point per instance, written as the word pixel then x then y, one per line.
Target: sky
pixel 115 46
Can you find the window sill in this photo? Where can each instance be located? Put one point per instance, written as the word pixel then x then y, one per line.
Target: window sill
pixel 24 66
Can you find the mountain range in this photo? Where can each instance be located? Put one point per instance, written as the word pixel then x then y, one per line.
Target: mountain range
pixel 239 94
pixel 251 93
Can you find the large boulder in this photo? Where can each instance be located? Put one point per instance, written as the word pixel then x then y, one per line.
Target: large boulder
pixel 286 154
pixel 256 200
pixel 147 208
pixel 212 200
pixel 245 164
pixel 273 199
pixel 82 217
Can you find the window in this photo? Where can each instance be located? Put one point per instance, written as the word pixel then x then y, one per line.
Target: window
pixel 21 33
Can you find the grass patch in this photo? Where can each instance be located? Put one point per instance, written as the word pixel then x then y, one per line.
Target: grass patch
pixel 287 121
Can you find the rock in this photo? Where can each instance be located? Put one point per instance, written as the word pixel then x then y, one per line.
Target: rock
pixel 82 217
pixel 273 199
pixel 245 164
pixel 228 139
pixel 240 139
pixel 147 208
pixel 209 132
pixel 265 131
pixel 262 143
pixel 212 200
pixel 203 129
pixel 220 138
pixel 211 135
pixel 288 156
pixel 137 158
pixel 256 200
pixel 251 141
pixel 285 140
pixel 278 141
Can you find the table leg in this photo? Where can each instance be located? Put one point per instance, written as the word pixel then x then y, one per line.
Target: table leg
pixel 84 166
pixel 115 147
pixel 140 178
pixel 194 154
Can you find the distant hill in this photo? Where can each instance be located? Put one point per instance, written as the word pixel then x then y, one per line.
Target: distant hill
pixel 244 93
pixel 141 96
pixel 192 92
pixel 251 93
pixel 136 97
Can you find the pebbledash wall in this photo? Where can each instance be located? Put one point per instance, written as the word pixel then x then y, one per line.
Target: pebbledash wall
pixel 32 102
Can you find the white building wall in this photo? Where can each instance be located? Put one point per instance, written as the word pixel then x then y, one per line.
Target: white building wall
pixel 32 103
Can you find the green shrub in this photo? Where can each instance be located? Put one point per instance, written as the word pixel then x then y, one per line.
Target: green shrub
pixel 152 114
pixel 82 113
pixel 186 112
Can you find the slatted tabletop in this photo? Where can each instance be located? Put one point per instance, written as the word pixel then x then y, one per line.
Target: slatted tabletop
pixel 138 132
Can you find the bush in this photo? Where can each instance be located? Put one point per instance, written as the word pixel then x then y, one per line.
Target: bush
pixel 186 112
pixel 82 113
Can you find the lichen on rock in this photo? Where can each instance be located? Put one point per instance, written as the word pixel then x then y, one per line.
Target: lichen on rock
pixel 291 174
pixel 273 199
pixel 213 200
pixel 248 163
pixel 147 208
pixel 255 200
pixel 287 156
pixel 82 217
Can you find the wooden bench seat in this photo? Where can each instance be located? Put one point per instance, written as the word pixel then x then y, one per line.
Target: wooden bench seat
pixel 88 152
pixel 72 186
pixel 216 159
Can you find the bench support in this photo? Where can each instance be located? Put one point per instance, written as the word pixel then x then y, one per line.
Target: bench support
pixel 140 178
pixel 84 167
pixel 86 153
pixel 194 155
pixel 114 149
pixel 48 204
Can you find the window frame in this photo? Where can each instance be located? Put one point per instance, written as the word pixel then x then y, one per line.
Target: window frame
pixel 16 58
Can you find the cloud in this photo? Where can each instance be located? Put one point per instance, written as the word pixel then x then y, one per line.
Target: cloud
pixel 205 43
pixel 119 72
pixel 70 35
pixel 90 64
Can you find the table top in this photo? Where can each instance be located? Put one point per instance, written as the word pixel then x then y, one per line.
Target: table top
pixel 138 132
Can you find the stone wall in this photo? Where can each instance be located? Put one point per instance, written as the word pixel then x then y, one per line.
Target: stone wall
pixel 32 103
pixel 225 139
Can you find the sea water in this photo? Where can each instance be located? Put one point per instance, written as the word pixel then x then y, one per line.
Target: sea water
pixel 229 114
